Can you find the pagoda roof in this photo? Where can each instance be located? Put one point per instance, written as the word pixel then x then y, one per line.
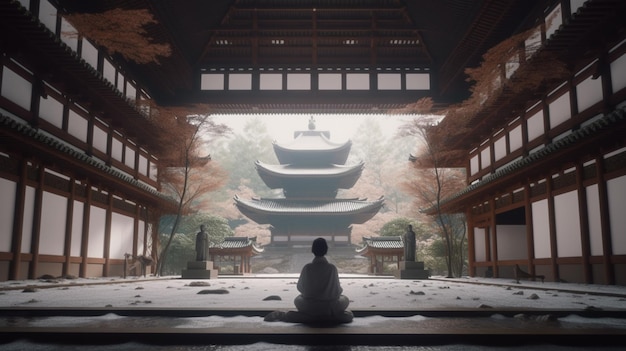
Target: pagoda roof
pixel 312 147
pixel 281 176
pixel 266 211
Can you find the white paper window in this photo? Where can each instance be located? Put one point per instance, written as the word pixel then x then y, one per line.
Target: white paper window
pixel 553 21
pixel 240 81
pixel 479 245
pixel 100 138
pixel 515 138
pixel 117 149
pixel 53 215
pixel 535 126
pixel 618 74
pixel 122 228
pixel 143 165
pixel 541 230
pixel 212 81
pixel 69 40
pixel 485 158
pixel 474 165
pixel 48 15
pixel 51 110
pixel 131 92
pixel 108 71
pixel 15 88
pixel 7 210
pixel 358 81
pixel 500 148
pixel 77 126
pixel 417 81
pixel 560 110
pixel 389 81
pixel 588 93
pixel 616 188
pixel 511 242
pixel 129 157
pixel 89 53
pixel 298 81
pixel 567 225
pixel 329 81
pixel 97 220
pixel 271 81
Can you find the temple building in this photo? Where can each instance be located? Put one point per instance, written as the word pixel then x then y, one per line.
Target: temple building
pixel 546 168
pixel 382 251
pixel 312 168
pixel 78 158
pixel 233 255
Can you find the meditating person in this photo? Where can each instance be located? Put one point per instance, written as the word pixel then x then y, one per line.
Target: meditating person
pixel 319 287
pixel 320 299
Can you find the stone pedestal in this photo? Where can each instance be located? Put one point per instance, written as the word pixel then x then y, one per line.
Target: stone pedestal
pixel 411 270
pixel 199 270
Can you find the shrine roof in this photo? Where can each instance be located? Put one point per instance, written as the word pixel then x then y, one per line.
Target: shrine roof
pixel 236 242
pixel 385 242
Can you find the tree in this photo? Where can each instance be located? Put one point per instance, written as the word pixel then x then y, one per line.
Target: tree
pixel 432 183
pixel 183 173
pixel 122 32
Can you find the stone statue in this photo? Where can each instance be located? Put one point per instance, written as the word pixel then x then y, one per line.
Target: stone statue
pixel 202 244
pixel 312 123
pixel 409 244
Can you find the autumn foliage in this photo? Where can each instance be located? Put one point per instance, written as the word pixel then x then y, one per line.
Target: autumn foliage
pixel 122 32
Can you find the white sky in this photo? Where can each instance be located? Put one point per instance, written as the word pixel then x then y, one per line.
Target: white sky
pixel 341 126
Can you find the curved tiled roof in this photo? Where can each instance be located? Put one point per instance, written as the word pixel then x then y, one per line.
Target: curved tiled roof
pixel 287 176
pixel 263 210
pixel 52 144
pixel 237 242
pixel 312 146
pixel 609 121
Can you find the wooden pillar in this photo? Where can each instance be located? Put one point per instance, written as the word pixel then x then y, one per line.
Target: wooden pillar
pixel 605 223
pixel 584 225
pixel 69 222
pixel 18 222
pixel 494 237
pixel 530 231
pixel 136 230
pixel 552 227
pixel 32 271
pixel 84 245
pixel 107 235
pixel 471 243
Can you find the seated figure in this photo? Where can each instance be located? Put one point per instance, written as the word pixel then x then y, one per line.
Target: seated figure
pixel 320 299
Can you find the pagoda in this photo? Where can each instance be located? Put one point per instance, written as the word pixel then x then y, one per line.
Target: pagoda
pixel 311 170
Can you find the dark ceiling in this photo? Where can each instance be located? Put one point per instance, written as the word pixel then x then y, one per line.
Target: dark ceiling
pixel 441 37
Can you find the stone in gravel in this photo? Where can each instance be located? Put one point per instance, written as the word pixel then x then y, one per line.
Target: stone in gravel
pixel 417 293
pixel 533 297
pixel 518 293
pixel 199 283
pixel 273 298
pixel 213 291
pixel 29 289
pixel 482 305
